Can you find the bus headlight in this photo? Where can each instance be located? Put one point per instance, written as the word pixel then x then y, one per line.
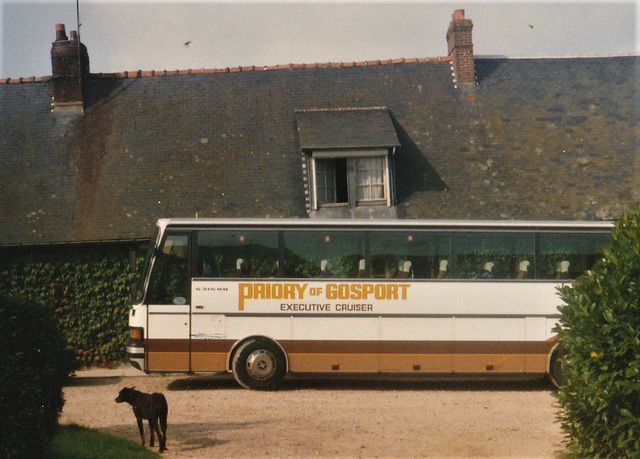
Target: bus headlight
pixel 135 347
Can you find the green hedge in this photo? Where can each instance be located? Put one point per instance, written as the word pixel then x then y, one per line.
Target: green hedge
pixel 599 332
pixel 34 364
pixel 88 287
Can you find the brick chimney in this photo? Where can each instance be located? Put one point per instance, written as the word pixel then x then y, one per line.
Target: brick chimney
pixel 70 66
pixel 461 50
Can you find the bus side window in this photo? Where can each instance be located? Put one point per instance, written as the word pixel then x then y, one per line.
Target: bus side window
pixel 170 281
pixel 481 255
pixel 567 255
pixel 237 253
pixel 323 254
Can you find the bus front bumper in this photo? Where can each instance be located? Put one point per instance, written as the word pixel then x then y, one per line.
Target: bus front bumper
pixel 136 356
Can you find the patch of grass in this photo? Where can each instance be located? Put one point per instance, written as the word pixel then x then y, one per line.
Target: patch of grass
pixel 76 442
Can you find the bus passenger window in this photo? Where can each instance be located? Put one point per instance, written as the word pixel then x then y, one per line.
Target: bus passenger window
pixel 170 280
pixel 491 255
pixel 327 253
pixel 236 253
pixel 567 255
pixel 409 254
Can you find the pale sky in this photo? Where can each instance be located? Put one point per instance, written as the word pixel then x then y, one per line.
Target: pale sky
pixel 151 35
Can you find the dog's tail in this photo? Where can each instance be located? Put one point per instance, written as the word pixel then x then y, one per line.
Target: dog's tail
pixel 164 411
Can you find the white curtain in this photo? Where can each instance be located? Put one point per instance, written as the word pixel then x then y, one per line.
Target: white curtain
pixel 370 178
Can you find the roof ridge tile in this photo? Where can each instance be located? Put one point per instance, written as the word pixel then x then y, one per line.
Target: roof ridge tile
pixel 130 74
pixel 31 79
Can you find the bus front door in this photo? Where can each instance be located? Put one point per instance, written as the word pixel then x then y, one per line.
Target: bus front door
pixel 169 307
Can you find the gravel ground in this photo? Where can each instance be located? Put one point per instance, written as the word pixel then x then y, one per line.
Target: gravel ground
pixel 212 416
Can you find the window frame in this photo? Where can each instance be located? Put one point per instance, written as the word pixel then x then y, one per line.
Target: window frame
pixel 352 184
pixel 161 266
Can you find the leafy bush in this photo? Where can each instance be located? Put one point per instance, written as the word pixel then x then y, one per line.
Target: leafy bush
pixel 599 333
pixel 34 364
pixel 88 287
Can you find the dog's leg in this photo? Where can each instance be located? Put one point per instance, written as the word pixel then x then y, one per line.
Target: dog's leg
pixel 163 429
pixel 152 428
pixel 141 429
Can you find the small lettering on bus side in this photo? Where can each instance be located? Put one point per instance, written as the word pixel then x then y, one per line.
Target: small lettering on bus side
pixel 326 307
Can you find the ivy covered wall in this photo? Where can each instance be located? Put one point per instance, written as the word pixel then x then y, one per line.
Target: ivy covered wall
pixel 88 286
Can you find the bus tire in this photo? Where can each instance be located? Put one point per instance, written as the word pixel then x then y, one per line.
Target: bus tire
pixel 556 370
pixel 259 364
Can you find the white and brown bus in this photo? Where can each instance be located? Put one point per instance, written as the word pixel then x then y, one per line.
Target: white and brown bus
pixel 263 298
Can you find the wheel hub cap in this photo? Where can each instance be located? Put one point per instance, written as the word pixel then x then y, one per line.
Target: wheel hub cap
pixel 261 365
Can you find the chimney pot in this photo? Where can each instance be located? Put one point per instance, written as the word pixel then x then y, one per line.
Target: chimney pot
pixel 61 34
pixel 73 35
pixel 457 15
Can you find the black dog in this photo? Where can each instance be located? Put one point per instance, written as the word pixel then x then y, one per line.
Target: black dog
pixel 152 407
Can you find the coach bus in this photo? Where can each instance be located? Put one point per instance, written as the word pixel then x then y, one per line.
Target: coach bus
pixel 262 298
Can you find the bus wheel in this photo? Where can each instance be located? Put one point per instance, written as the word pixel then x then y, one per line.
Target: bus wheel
pixel 259 364
pixel 556 371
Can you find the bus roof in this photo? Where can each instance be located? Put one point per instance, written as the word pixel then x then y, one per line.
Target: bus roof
pixel 382 224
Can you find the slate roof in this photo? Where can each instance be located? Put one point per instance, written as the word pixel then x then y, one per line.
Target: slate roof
pixel 539 139
pixel 346 129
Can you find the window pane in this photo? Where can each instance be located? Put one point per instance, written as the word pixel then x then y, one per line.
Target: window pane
pixel 565 256
pixel 323 253
pixel 170 281
pixel 325 180
pixel 494 256
pixel 420 255
pixel 369 179
pixel 237 254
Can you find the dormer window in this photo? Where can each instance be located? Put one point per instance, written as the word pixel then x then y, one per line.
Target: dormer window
pixel 348 157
